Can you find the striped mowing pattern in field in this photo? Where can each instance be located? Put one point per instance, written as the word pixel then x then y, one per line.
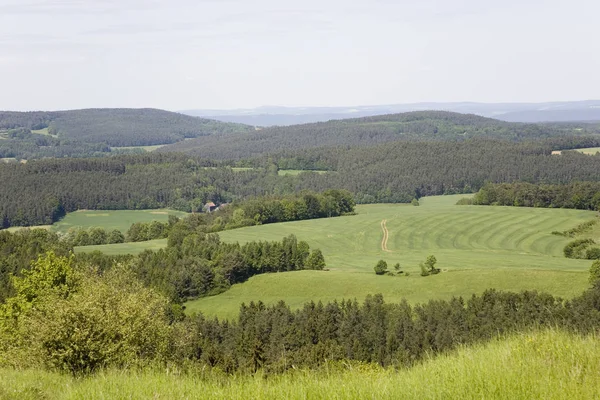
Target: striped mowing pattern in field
pixel 477 247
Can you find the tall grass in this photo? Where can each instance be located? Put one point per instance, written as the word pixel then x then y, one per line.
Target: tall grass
pixel 539 365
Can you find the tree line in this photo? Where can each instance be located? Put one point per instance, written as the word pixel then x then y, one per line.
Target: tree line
pixel 578 195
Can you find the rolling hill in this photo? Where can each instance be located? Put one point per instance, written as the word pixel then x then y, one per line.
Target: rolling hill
pixel 90 131
pixel 411 126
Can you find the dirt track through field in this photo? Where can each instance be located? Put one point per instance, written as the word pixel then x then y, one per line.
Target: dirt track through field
pixel 386 236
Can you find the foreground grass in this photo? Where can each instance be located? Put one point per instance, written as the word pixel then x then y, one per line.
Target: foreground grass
pixel 546 365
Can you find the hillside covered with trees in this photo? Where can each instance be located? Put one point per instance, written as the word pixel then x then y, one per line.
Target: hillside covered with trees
pixel 368 131
pixel 91 132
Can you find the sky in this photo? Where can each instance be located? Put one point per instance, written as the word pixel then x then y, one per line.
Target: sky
pixel 225 54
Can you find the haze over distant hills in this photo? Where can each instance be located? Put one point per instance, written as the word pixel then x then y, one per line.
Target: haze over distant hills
pixel 587 110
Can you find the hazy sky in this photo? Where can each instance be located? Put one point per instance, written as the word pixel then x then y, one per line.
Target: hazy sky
pixel 182 54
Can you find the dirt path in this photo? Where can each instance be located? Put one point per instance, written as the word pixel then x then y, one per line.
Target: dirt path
pixel 386 236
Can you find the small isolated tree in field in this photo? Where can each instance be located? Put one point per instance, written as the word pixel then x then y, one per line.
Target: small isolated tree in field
pixel 414 202
pixel 315 260
pixel 397 268
pixel 428 267
pixel 381 267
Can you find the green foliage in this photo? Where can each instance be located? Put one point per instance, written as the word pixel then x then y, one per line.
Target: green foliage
pixel 593 253
pixel 578 230
pixel 595 273
pixel 381 267
pixel 428 267
pixel 464 201
pixel 315 260
pixel 110 321
pixel 19 249
pixel 579 195
pixel 577 248
pixel 414 202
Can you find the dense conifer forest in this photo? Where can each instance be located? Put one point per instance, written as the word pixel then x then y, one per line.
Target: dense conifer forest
pixel 92 132
pixel 40 192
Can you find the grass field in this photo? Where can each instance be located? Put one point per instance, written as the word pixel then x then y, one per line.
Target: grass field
pixel 111 219
pixel 145 148
pixel 124 248
pixel 544 365
pixel 589 150
pixel 298 171
pixel 477 247
pixel 42 132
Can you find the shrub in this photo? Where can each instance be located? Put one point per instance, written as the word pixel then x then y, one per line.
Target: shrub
pixel 465 201
pixel 577 248
pixel 381 267
pixel 593 253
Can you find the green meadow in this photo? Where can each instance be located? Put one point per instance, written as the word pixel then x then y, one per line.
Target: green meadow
pixel 145 148
pixel 589 150
pixel 298 171
pixel 111 219
pixel 477 247
pixel 538 365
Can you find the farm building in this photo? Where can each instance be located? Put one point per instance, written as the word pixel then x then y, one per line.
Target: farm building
pixel 209 207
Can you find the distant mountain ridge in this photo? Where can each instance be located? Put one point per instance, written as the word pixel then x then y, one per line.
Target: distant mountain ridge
pixel 587 110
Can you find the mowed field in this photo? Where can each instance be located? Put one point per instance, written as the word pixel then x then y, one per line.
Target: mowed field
pixel 111 219
pixel 477 247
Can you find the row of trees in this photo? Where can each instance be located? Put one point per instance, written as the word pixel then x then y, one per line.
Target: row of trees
pixel 67 316
pixel 579 195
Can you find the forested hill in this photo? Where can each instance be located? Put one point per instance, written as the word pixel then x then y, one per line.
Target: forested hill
pixel 22 131
pixel 418 125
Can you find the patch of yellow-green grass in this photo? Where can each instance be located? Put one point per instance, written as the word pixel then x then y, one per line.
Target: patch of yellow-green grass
pixel 477 247
pixel 43 131
pixel 18 228
pixel 111 219
pixel 144 148
pixel 298 171
pixel 540 365
pixel 589 150
pixel 124 248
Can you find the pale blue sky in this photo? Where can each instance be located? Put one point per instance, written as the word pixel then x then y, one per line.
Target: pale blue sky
pixel 182 54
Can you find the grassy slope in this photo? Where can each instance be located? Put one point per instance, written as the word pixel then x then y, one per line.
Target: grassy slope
pixel 478 247
pixel 547 365
pixel 111 219
pixel 589 150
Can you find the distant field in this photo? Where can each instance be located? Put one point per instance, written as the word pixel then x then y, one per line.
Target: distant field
pixel 42 132
pixel 111 219
pixel 124 248
pixel 477 247
pixel 589 150
pixel 145 148
pixel 298 171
